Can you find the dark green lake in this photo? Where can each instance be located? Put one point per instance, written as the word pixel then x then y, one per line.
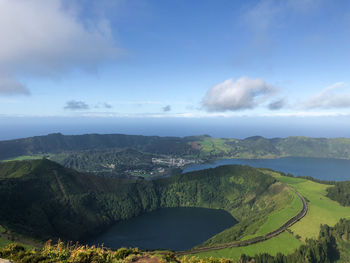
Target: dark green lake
pixel 320 168
pixel 169 228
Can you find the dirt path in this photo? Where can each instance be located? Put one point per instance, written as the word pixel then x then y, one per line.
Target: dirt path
pixel 255 240
pixel 5 261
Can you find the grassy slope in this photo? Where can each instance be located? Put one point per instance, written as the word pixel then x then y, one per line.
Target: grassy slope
pixel 284 242
pixel 279 217
pixel 285 205
pixel 259 147
pixel 322 210
pixel 25 157
pixel 15 169
pixel 194 146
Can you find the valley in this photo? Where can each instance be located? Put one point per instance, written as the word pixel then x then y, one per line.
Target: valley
pixel 85 192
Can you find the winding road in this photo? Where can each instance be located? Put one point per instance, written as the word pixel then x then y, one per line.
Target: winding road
pixel 254 240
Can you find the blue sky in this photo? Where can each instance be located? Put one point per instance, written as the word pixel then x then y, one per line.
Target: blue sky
pixel 184 59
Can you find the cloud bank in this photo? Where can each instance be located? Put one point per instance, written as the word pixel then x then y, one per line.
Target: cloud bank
pixel 240 94
pixel 45 38
pixel 332 97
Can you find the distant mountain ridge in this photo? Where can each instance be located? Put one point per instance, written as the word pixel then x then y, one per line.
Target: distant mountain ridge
pixel 195 146
pixel 56 143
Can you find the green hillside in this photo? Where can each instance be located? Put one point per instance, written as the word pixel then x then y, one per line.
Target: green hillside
pixel 43 199
pixel 48 200
pixel 194 146
pixel 322 211
pixel 331 245
pixel 116 162
pixel 260 147
pixel 340 192
pixel 58 143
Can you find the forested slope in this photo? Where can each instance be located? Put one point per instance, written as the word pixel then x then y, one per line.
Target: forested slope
pixel 340 192
pixel 49 200
pixel 57 143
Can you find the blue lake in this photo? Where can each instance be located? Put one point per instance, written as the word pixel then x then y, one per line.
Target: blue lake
pixel 168 228
pixel 320 168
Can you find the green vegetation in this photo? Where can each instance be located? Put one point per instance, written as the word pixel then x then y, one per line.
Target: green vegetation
pixel 79 254
pixel 281 216
pixel 114 162
pixel 285 205
pixel 322 210
pixel 58 143
pixel 200 147
pixel 46 200
pixel 284 243
pixel 253 147
pixel 15 169
pixel 4 242
pixel 331 245
pixel 259 147
pixel 26 157
pixel 340 192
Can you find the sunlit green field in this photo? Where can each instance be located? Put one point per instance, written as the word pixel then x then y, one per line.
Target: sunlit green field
pixel 284 242
pixel 213 145
pixel 322 210
pixel 278 218
pixel 25 157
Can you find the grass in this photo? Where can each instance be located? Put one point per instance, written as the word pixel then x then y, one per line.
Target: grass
pixel 4 242
pixel 284 242
pixel 270 211
pixel 278 218
pixel 24 158
pixel 213 145
pixel 322 210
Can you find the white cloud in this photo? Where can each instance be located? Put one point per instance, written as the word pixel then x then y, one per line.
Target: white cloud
pixel 334 96
pixel 44 38
pixel 240 94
